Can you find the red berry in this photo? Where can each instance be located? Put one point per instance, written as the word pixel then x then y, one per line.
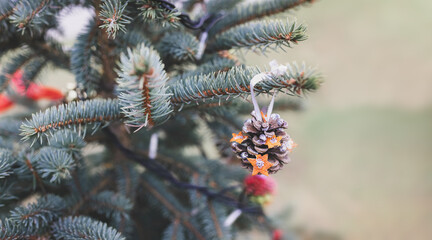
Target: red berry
pixel 259 185
pixel 277 234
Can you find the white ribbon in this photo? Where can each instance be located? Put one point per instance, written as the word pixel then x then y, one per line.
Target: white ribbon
pixel 276 70
pixel 232 217
pixel 153 146
pixel 201 46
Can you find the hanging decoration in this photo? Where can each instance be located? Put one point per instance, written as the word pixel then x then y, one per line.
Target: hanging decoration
pixel 263 145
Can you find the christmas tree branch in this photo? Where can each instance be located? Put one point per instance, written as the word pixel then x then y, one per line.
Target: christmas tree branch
pixel 32 69
pixel 174 231
pixel 54 164
pixel 86 75
pixel 215 220
pixel 260 34
pixel 9 230
pixel 29 164
pixel 244 13
pixel 84 228
pixel 6 163
pixel 26 11
pixel 236 82
pixel 113 17
pixel 173 209
pixel 9 127
pixel 38 215
pixel 141 88
pixel 106 48
pixel 75 115
pixel 89 194
pixel 13 65
pixel 112 205
pixel 179 46
pixel 154 10
pixel 7 10
pixel 218 63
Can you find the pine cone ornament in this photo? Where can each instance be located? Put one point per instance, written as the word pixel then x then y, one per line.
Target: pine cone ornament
pixel 263 145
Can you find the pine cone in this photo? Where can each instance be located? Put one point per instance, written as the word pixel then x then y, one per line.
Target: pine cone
pixel 263 137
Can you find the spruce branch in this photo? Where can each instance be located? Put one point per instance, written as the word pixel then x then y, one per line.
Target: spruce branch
pixel 9 230
pixel 166 11
pixel 77 116
pixel 170 206
pixel 205 213
pixel 37 15
pixel 246 12
pixel 27 169
pixel 33 68
pixel 112 205
pixel 9 127
pixel 84 228
pixel 54 164
pixel 39 215
pixel 214 64
pixel 260 35
pixel 236 82
pixel 7 8
pixel 68 141
pixel 6 143
pixel 153 10
pixel 89 193
pixel 82 59
pixel 6 162
pixel 127 179
pixel 179 46
pixel 15 63
pixel 26 12
pixel 174 231
pixel 6 194
pixel 141 90
pixel 113 16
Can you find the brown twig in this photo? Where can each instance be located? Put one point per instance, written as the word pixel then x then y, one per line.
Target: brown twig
pixel 33 13
pixel 173 210
pixel 36 175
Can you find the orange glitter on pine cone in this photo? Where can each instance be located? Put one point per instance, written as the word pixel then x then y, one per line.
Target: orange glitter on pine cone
pixel 239 138
pixel 273 142
pixel 260 164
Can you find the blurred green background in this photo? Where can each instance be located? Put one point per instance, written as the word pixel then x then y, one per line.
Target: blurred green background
pixel 363 167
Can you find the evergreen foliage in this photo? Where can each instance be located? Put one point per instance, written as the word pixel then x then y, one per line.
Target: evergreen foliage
pixel 260 34
pixel 54 164
pixel 85 167
pixel 84 228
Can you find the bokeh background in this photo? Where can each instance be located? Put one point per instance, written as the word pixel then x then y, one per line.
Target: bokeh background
pixel 363 167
